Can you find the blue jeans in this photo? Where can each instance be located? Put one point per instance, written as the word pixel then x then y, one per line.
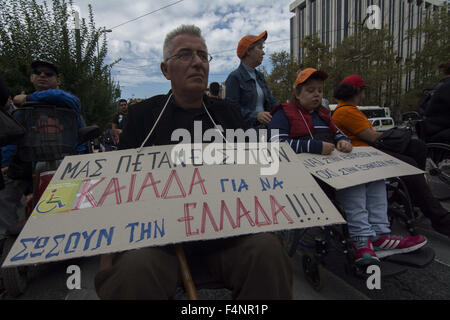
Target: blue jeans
pixel 365 208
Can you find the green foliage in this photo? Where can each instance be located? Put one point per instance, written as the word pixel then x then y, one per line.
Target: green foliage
pixel 318 56
pixel 434 35
pixel 370 53
pixel 283 75
pixel 38 31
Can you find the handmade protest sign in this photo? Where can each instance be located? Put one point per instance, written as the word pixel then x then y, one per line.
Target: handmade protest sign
pixel 364 164
pixel 116 201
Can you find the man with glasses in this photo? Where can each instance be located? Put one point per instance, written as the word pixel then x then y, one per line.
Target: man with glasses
pixel 46 82
pixel 246 86
pixel 252 266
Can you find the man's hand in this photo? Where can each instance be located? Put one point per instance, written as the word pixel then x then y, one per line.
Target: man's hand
pixel 327 148
pixel 344 146
pixel 20 99
pixel 264 117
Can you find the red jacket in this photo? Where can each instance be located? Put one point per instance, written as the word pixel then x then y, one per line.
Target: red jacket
pixel 298 127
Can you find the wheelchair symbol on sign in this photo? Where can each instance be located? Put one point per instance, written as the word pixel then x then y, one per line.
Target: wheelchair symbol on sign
pixel 46 206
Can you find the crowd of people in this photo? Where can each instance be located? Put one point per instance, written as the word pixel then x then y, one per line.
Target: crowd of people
pixel 304 122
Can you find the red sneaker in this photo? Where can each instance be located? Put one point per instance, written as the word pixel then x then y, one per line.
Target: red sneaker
pixel 390 245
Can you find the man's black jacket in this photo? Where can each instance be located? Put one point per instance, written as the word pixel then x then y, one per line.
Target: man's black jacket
pixel 142 116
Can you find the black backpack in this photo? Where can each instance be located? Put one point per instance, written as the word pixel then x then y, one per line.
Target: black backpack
pixel 425 98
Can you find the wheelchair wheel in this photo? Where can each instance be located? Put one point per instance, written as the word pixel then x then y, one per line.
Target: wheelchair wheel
pixel 400 206
pixel 437 170
pixel 313 272
pixel 14 278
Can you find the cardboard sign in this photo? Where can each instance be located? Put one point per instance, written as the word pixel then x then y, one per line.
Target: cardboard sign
pixel 115 201
pixel 364 164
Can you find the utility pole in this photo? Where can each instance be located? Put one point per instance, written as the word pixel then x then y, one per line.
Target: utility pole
pixel 104 30
pixel 78 37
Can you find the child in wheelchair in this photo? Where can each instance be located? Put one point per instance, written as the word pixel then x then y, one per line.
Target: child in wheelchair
pixel 307 126
pixel 350 93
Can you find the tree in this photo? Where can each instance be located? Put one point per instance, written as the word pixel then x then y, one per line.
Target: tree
pixel 368 53
pixel 434 49
pixel 283 75
pixel 318 56
pixel 36 31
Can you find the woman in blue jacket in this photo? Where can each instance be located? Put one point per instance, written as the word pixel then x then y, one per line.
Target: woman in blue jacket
pixel 246 87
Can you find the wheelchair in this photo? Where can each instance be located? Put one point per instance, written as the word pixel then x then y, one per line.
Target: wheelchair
pixel 437 168
pixel 51 134
pixel 321 247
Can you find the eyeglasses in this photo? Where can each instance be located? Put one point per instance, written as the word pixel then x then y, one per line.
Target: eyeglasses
pixel 47 73
pixel 188 55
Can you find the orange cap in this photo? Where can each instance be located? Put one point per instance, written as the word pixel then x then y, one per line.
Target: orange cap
pixel 306 73
pixel 247 41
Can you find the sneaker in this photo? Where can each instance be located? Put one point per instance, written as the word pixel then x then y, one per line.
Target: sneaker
pixel 390 245
pixel 364 252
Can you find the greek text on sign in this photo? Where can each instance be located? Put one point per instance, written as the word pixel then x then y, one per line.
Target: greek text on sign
pixel 364 164
pixel 116 201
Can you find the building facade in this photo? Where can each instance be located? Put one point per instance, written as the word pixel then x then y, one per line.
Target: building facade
pixel 334 20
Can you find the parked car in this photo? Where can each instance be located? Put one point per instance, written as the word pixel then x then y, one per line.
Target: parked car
pixel 382 124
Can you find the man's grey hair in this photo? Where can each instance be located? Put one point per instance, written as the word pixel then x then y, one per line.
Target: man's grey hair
pixel 183 29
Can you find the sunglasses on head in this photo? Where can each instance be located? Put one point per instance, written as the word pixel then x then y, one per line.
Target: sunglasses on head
pixel 47 73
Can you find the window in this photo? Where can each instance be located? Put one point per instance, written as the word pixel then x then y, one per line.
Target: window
pixel 358 11
pixel 400 29
pixel 324 21
pixel 346 19
pixel 419 23
pixel 291 26
pixel 328 21
pixel 391 16
pixel 376 123
pixel 387 122
pixel 314 17
pixel 410 23
pixel 339 21
pixel 302 29
pixel 428 9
